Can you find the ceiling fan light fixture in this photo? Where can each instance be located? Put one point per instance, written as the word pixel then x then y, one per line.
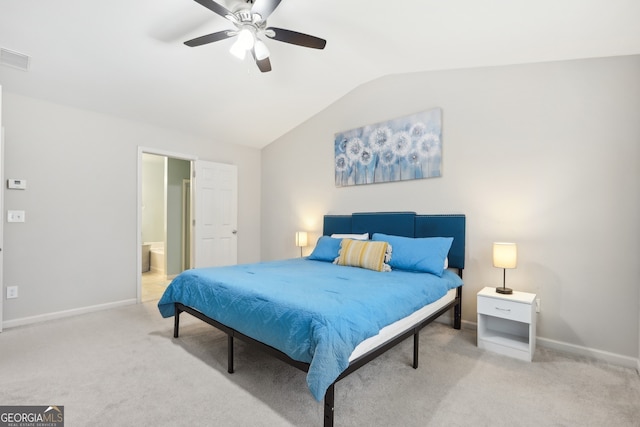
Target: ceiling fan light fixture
pixel 243 44
pixel 261 50
pixel 246 39
pixel 237 50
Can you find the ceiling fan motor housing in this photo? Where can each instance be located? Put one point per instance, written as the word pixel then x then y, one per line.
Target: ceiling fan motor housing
pixel 244 15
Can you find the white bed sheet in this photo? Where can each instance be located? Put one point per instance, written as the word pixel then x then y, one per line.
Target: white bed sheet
pixel 401 325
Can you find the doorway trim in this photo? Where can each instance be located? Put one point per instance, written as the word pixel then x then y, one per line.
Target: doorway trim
pixel 149 150
pixel 186 261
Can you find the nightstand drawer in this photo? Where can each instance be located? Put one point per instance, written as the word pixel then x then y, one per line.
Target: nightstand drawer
pixel 505 309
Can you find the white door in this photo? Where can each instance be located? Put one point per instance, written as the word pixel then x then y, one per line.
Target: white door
pixel 216 214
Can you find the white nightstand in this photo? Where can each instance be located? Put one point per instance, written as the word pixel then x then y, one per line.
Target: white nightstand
pixel 507 323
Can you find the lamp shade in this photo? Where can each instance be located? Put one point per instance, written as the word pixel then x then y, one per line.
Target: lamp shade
pixel 505 255
pixel 243 43
pixel 301 238
pixel 261 50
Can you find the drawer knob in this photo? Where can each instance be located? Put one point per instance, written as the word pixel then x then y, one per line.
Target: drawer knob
pixel 503 309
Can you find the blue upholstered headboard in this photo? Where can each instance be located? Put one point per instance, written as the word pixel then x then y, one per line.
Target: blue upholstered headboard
pixel 407 224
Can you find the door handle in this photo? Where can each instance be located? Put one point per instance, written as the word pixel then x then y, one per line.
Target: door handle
pixel 234 231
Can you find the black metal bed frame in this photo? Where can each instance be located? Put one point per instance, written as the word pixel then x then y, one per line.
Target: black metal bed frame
pixel 353 366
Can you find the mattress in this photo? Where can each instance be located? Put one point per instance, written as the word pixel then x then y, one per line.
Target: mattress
pixel 401 325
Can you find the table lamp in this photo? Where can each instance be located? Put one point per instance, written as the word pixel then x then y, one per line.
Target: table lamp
pixel 301 240
pixel 505 255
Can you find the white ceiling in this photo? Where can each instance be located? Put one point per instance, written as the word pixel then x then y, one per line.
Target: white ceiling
pixel 127 58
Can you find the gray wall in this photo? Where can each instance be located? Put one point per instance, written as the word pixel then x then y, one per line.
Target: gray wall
pixel 546 155
pixel 178 170
pixel 78 246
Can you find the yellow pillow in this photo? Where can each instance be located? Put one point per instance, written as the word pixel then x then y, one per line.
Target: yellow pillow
pixel 364 254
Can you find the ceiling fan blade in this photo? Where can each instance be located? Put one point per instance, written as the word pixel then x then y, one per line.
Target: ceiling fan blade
pixel 210 38
pixel 264 8
pixel 296 38
pixel 217 8
pixel 264 64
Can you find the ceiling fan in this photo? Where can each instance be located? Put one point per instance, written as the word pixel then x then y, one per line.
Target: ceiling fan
pixel 251 28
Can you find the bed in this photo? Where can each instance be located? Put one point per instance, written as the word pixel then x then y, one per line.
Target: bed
pixel 329 320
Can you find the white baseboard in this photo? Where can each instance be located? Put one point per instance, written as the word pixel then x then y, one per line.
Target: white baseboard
pixel 605 356
pixel 66 313
pixel 447 319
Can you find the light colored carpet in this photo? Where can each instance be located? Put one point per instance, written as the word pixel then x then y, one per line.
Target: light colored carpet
pixel 122 367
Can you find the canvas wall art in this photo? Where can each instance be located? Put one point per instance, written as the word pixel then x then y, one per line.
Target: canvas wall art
pixel 396 150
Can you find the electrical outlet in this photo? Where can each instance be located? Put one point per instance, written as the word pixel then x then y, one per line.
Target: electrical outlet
pixel 15 216
pixel 537 305
pixel 12 292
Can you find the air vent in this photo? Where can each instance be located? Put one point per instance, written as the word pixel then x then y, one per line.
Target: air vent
pixel 14 59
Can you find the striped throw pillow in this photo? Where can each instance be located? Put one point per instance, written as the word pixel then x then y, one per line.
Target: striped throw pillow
pixel 364 254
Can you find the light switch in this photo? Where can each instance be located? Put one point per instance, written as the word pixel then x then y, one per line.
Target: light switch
pixel 17 184
pixel 15 216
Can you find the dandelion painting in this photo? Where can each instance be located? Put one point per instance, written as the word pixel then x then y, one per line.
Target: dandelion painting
pixel 397 150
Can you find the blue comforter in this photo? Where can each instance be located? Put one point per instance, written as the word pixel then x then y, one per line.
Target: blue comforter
pixel 313 311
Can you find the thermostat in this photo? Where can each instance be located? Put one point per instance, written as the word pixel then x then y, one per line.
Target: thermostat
pixel 17 184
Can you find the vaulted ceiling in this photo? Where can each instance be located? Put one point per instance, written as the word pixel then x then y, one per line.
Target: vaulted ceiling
pixel 127 58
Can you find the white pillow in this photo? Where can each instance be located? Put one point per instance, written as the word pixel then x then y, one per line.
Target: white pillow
pixel 363 236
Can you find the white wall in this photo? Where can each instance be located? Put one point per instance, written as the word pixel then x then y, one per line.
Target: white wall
pixel 153 195
pixel 78 246
pixel 2 176
pixel 546 155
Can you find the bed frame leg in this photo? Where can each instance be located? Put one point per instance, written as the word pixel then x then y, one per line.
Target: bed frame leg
pixel 230 354
pixel 328 406
pixel 176 323
pixel 457 310
pixel 416 346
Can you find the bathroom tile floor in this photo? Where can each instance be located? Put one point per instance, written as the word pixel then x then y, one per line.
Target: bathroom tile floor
pixel 153 285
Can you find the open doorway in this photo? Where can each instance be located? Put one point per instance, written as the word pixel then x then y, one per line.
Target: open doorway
pixel 164 206
pixel 207 207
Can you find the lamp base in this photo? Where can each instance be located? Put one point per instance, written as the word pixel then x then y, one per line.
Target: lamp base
pixel 504 290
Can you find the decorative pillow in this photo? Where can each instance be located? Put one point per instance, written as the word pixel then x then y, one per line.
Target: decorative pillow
pixel 425 254
pixel 364 254
pixel 327 249
pixel 363 236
